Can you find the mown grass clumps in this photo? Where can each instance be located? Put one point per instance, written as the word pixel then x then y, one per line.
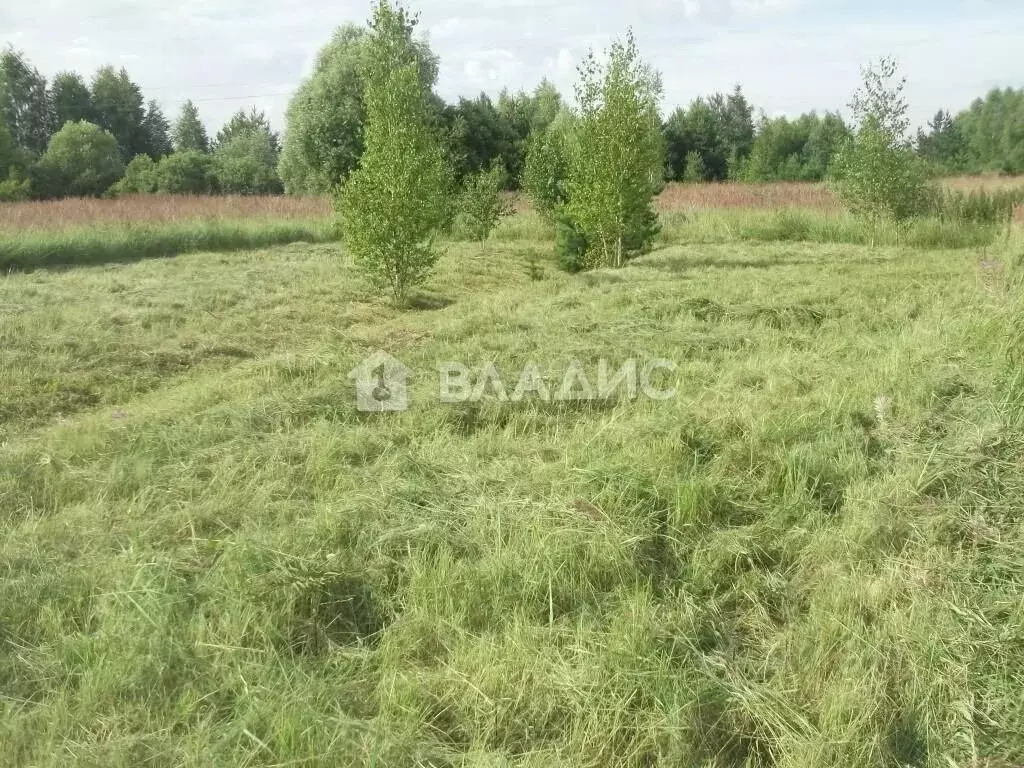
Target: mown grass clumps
pixel 811 556
pixel 102 245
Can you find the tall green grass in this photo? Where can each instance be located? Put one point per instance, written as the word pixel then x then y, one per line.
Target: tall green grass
pixel 124 243
pixel 103 244
pixel 799 225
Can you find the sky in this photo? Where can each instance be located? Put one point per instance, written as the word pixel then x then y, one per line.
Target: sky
pixel 790 56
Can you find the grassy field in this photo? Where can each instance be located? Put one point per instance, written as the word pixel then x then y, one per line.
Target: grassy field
pixel 812 556
pixel 62 233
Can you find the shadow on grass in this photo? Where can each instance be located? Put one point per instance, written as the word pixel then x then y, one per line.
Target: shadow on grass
pixel 426 302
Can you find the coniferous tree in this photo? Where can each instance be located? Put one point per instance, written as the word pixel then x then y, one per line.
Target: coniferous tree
pixel 189 133
pixel 157 132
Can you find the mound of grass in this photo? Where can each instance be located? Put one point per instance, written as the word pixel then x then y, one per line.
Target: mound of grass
pixel 811 556
pixel 108 244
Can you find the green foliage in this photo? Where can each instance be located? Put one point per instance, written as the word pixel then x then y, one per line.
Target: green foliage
pixel 119 108
pixel 617 156
pixel 8 150
pixel 186 173
pixel 978 206
pixel 483 204
pixel 547 166
pixel 720 129
pixel 246 164
pixel 943 144
pixel 245 123
pixel 394 204
pixel 572 247
pixel 544 106
pixel 481 135
pixel 15 189
pixel 325 122
pixel 25 102
pixel 694 170
pixel 140 177
pixel 877 174
pixel 526 115
pixel 795 150
pixel 989 136
pixel 324 137
pixel 189 133
pixel 72 101
pixel 82 160
pixel 156 129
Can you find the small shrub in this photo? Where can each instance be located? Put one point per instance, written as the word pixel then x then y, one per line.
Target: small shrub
pixel 186 173
pixel 15 190
pixel 571 245
pixel 482 204
pixel 534 270
pixel 694 170
pixel 140 178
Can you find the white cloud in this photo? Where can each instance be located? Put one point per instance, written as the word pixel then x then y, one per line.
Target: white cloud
pixel 789 55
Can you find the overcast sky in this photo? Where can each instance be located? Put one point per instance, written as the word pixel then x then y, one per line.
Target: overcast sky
pixel 789 55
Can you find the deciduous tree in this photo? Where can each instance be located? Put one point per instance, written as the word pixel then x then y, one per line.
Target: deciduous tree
pixel 617 156
pixel 877 174
pixel 25 102
pixel 246 164
pixel 323 138
pixel 82 160
pixel 395 203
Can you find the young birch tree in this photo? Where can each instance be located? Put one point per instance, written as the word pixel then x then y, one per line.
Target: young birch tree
pixel 396 202
pixel 877 173
pixel 617 156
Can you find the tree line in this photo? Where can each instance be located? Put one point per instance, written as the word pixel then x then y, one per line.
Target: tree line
pixel 71 137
